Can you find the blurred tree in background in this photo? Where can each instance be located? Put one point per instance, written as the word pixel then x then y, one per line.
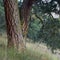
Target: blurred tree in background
pixel 43 26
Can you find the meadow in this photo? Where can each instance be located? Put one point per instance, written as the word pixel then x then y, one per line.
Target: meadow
pixel 33 51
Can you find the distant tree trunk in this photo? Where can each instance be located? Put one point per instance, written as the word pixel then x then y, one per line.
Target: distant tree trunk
pixel 25 12
pixel 14 32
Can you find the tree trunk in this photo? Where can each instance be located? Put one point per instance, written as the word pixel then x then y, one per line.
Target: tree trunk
pixel 25 12
pixel 14 32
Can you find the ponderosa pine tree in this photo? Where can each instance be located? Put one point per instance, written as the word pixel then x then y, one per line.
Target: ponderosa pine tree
pixel 14 32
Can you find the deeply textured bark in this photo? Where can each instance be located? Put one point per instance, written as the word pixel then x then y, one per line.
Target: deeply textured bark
pixel 14 32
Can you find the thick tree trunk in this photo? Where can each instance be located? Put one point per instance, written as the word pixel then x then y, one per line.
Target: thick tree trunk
pixel 14 32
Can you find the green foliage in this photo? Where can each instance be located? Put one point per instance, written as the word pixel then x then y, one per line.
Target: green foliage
pixel 34 28
pixel 44 27
pixel 51 33
pixel 2 17
pixel 48 6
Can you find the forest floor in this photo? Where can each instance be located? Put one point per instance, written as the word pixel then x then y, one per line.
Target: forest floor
pixel 34 51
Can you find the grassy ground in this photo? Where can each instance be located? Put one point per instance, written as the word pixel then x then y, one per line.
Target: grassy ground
pixel 32 52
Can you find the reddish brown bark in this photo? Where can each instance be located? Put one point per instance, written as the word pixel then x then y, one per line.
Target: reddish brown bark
pixel 14 32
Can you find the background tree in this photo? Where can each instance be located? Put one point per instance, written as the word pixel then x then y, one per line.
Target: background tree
pixel 25 12
pixel 42 25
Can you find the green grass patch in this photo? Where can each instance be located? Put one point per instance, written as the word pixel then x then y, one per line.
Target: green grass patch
pixel 29 54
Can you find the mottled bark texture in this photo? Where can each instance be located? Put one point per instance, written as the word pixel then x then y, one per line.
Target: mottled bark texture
pixel 14 32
